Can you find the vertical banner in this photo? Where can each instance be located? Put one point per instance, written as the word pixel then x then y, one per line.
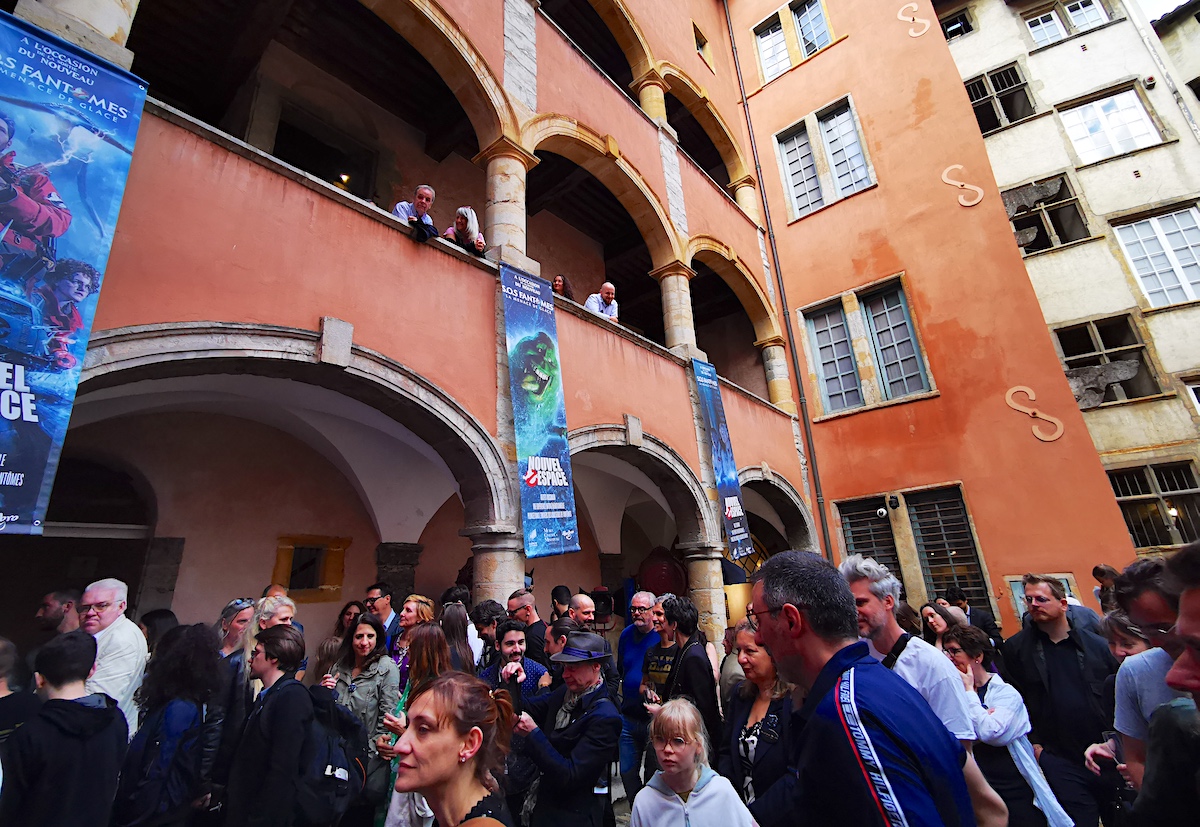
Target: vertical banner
pixel 737 528
pixel 539 415
pixel 68 121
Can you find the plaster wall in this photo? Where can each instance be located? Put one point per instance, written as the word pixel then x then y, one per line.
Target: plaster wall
pixel 483 25
pixel 560 248
pixel 760 435
pixel 711 214
pixel 1030 150
pixel 1160 422
pixel 231 488
pixel 1080 281
pixel 1174 335
pixel 1180 44
pixel 974 308
pixel 207 235
pixel 728 343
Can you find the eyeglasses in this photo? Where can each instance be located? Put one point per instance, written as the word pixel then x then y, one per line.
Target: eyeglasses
pixel 240 603
pixel 1038 599
pixel 678 742
pixel 771 612
pixel 98 608
pixel 637 610
pixel 952 650
pixel 1159 630
pixel 518 610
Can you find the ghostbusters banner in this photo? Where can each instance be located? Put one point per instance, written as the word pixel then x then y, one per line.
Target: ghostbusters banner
pixel 539 415
pixel 737 528
pixel 68 121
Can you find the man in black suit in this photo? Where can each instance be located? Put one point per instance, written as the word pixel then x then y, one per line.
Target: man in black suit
pixel 979 618
pixel 379 603
pixel 572 735
pixel 266 772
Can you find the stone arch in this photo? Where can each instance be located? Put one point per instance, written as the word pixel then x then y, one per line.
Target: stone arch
pixel 440 41
pixel 125 355
pixel 695 99
pixel 788 504
pixel 695 519
pixel 734 272
pixel 628 34
pixel 600 156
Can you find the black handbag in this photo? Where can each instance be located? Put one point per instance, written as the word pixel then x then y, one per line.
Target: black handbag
pixel 377 785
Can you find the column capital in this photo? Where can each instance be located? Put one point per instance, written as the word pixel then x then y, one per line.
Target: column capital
pixel 673 268
pixel 505 147
pixel 700 551
pixel 650 77
pixel 770 341
pixel 493 537
pixel 746 180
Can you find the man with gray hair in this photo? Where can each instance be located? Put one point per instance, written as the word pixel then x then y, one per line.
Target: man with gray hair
pixel 876 593
pixel 416 212
pixel 867 749
pixel 120 645
pixel 636 639
pixel 604 303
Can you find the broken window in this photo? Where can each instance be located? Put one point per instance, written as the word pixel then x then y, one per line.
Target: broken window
pixel 956 25
pixel 1045 214
pixel 999 98
pixel 1106 361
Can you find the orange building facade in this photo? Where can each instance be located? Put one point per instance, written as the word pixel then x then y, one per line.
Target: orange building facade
pixel 282 385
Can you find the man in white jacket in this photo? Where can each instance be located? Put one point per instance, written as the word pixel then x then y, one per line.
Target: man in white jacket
pixel 121 647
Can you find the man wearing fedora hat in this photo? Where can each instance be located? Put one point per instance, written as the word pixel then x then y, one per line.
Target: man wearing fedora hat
pixel 572 735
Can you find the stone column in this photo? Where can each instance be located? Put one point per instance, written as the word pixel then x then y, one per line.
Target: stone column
pixel 396 564
pixel 499 558
pixel 779 386
pixel 651 91
pixel 680 326
pixel 706 588
pixel 99 26
pixel 504 212
pixel 746 195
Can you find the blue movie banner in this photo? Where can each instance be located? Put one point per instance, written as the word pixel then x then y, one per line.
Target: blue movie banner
pixel 68 121
pixel 737 528
pixel 539 415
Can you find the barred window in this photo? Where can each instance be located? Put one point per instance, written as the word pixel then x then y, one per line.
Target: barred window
pixel 869 534
pixel 945 544
pixel 1160 503
pixel 999 98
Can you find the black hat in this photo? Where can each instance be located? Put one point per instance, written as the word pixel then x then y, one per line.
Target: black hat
pixel 582 647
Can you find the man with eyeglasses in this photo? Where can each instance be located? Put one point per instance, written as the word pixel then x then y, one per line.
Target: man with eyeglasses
pixel 121 652
pixel 379 603
pixel 1143 593
pixel 1060 668
pixel 636 639
pixel 523 607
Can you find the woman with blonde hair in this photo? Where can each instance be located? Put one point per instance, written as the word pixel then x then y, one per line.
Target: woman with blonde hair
pixel 415 610
pixel 686 790
pixel 465 232
pixel 276 610
pixel 453 749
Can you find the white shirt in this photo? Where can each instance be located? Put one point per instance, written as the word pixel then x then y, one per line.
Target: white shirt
pixel 474 642
pixel 121 656
pixel 933 674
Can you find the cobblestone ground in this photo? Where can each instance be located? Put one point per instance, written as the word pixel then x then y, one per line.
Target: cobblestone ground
pixel 620 805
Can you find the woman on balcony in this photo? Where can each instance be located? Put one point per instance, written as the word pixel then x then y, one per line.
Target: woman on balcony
pixel 465 232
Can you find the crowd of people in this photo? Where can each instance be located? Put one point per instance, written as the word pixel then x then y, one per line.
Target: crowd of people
pixel 836 702
pixel 466 234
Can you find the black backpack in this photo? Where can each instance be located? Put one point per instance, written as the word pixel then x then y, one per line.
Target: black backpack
pixel 333 761
pixel 161 774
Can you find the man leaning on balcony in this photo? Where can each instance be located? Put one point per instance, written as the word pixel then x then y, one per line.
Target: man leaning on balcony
pixel 416 213
pixel 604 303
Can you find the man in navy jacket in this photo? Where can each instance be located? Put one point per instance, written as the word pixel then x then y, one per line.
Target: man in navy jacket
pixel 866 747
pixel 572 734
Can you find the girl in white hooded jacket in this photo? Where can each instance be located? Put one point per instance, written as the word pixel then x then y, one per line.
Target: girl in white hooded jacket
pixel 685 792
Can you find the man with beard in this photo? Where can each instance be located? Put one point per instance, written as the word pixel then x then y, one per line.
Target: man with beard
pixel 58 611
pixel 524 679
pixel 484 618
pixel 555 640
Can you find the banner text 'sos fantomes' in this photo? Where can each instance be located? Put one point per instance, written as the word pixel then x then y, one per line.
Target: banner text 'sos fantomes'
pixel 68 122
pixel 737 528
pixel 539 415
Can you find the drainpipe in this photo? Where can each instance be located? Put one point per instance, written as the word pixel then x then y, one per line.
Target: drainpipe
pixel 806 424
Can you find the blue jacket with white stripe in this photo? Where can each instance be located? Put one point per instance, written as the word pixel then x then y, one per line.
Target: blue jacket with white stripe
pixel 867 750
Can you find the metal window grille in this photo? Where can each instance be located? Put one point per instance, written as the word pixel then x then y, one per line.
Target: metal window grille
pixel 1084 14
pixel 801 172
pixel 835 359
pixel 1103 341
pixel 945 543
pixel 850 173
pixel 811 26
pixel 869 534
pixel 1054 219
pixel 1164 251
pixel 772 50
pixel 1109 126
pixel 999 98
pixel 956 25
pixel 900 366
pixel 1046 28
pixel 1160 503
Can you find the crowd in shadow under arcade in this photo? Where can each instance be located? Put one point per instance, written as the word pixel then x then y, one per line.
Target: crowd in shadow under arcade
pixel 835 703
pixel 465 233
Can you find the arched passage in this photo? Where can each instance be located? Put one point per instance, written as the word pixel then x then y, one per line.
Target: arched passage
pixel 606 32
pixel 694 106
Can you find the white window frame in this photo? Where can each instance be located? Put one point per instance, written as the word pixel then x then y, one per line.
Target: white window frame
pixel 775 68
pixel 1043 20
pixel 1081 5
pixel 805 6
pixel 1175 257
pixel 1193 389
pixel 1080 127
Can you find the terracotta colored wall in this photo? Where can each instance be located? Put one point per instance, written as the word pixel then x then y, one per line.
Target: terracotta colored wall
pixel 760 434
pixel 729 344
pixel 1035 505
pixel 206 235
pixel 560 248
pixel 483 24
pixel 444 550
pixel 210 475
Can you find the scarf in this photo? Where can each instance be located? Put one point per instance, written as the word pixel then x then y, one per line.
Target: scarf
pixel 561 720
